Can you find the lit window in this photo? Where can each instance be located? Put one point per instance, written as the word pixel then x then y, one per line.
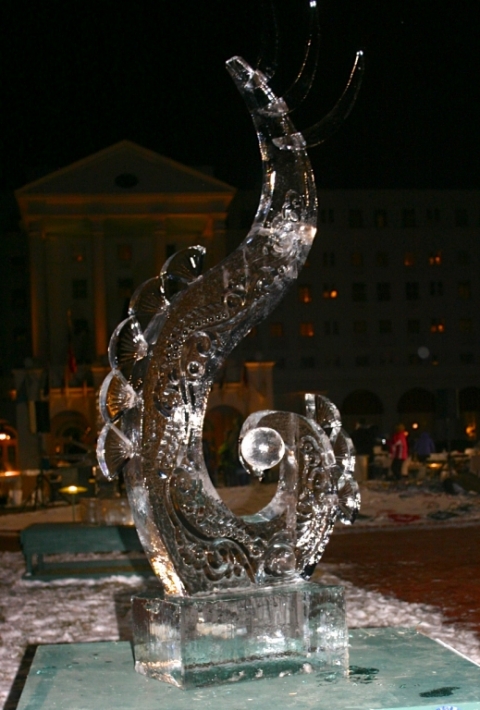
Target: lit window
pixel 413 326
pixel 124 252
pixel 412 291
pixel 436 288
pixel 307 330
pixel 461 218
pixel 276 330
pixel 464 290
pixel 381 258
pixel 305 294
pixel 409 258
pixel 465 325
pixel 380 219
pixel 408 218
pixel 383 292
pixel 359 292
pixel 435 258
pixel 355 219
pixel 329 291
pixel 79 288
pixel 384 327
pixel 437 325
pixel 359 326
pixel 357 258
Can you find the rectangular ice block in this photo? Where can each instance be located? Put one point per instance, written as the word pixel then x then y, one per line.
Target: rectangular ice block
pixel 242 635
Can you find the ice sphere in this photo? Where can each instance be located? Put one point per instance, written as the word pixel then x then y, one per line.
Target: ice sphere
pixel 262 448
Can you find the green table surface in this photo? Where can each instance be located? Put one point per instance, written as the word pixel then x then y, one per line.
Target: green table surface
pixel 390 669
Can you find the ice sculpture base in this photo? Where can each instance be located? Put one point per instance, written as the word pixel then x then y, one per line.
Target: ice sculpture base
pixel 243 635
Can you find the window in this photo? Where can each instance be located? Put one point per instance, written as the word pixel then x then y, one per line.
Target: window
pixel 461 218
pixel 326 216
pixel 305 294
pixel 413 326
pixel 383 292
pixel 433 215
pixel 362 361
pixel 18 298
pixel 464 290
pixel 436 288
pixel 330 327
pixel 467 358
pixel 125 288
pixel 435 258
pixel 276 330
pixel 465 325
pixel 307 362
pixel 412 291
pixel 328 258
pixel 381 258
pixel 357 258
pixel 329 291
pixel 437 325
pixel 408 219
pixel 463 258
pixel 355 219
pixel 359 292
pixel 409 258
pixel 359 326
pixel 79 288
pixel 307 330
pixel 380 219
pixel 124 253
pixel 384 327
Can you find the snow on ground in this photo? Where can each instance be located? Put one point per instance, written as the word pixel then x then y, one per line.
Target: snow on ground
pixel 73 610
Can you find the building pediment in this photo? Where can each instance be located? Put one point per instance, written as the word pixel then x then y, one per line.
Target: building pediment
pixel 124 169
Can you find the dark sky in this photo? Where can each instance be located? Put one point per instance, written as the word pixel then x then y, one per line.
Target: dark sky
pixel 77 76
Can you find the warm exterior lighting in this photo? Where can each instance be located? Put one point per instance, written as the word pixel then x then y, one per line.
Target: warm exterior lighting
pixel 4 436
pixel 435 258
pixel 471 431
pixel 307 330
pixel 415 425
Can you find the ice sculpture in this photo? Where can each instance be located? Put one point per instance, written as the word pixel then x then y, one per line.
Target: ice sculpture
pixel 164 357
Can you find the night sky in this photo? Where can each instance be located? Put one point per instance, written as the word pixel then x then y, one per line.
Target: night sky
pixel 77 76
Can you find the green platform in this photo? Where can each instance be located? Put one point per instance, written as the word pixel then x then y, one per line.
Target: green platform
pixel 390 669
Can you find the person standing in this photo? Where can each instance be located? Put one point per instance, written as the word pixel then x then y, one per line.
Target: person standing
pixel 398 451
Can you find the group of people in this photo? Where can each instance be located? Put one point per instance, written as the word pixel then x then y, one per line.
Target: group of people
pixel 364 439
